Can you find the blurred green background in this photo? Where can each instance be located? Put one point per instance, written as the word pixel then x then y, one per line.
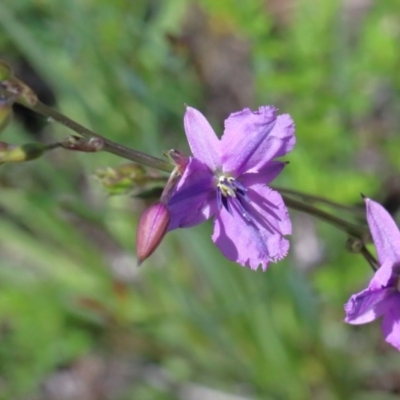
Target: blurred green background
pixel 78 319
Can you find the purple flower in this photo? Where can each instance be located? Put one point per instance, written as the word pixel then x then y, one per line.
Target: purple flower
pixel 382 296
pixel 226 179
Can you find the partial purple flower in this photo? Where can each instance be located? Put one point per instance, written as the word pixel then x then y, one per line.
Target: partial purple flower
pixel 382 296
pixel 226 179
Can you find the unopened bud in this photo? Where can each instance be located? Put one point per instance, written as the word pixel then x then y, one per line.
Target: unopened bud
pixel 131 178
pixel 28 96
pixel 22 93
pixel 152 228
pixel 354 245
pixel 26 152
pixel 80 144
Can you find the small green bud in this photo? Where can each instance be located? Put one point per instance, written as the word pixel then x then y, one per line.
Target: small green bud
pixel 26 152
pixel 127 178
pixel 354 245
pixel 152 228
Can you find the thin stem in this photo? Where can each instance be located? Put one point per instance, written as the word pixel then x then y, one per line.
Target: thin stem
pixel 52 146
pixel 348 227
pixel 370 258
pixel 321 200
pixel 109 146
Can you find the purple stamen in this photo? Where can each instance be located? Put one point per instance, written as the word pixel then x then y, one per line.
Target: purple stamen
pixel 239 186
pixel 219 199
pixel 227 205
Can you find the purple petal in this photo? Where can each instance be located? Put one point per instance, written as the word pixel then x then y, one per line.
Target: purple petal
pixel 252 139
pixel 194 197
pixel 264 176
pixel 260 240
pixel 366 306
pixel 202 139
pixel 385 232
pixel 391 321
pixel 270 209
pixel 382 276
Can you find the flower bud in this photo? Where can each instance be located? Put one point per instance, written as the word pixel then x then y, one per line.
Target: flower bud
pixel 80 144
pixel 20 91
pixel 28 96
pixel 152 228
pixel 354 245
pixel 26 152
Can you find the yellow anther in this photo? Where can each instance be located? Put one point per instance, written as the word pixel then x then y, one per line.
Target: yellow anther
pixel 225 187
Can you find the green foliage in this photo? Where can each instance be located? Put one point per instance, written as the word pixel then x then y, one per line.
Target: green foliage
pixel 69 286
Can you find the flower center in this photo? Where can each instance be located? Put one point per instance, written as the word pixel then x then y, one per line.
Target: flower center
pixel 231 192
pixel 226 184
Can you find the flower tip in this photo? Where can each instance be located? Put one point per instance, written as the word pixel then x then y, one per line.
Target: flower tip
pixel 179 159
pixel 152 228
pixel 188 110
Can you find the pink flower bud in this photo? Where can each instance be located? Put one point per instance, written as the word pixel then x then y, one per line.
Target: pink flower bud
pixel 152 227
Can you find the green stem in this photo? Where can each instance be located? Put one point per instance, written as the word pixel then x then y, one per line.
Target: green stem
pixel 309 198
pixel 370 258
pixel 348 227
pixel 109 146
